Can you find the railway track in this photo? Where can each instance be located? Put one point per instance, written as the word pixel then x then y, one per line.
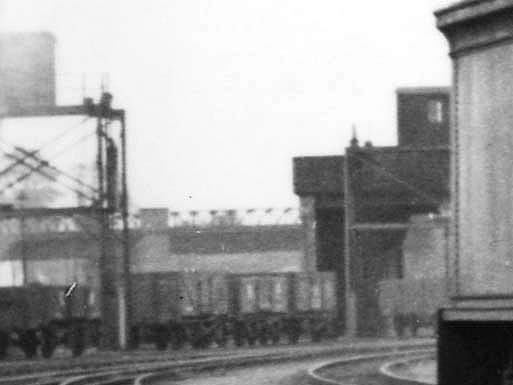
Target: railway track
pixel 365 369
pixel 410 371
pixel 143 372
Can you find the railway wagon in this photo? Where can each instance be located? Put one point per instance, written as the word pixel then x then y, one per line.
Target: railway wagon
pixel 42 317
pixel 267 307
pixel 202 308
pixel 178 307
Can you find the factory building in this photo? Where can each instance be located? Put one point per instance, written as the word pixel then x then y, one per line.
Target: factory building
pixel 61 257
pixel 423 116
pixel 356 208
pixel 27 70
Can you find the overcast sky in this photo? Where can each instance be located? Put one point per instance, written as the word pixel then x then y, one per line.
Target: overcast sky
pixel 221 94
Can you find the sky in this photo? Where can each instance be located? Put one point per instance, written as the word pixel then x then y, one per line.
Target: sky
pixel 222 94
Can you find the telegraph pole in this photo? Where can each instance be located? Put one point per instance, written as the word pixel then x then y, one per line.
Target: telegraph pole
pixel 21 199
pixel 127 287
pixel 114 263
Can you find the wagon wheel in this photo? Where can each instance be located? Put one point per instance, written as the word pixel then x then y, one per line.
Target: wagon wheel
pixel 29 342
pixel 276 338
pixel 48 341
pixel 78 340
pixel 251 340
pixel 434 324
pixel 240 332
pixel 221 336
pixel 414 324
pixel 135 337
pixel 95 333
pixel 294 330
pixel 275 330
pixel 399 325
pixel 252 334
pixel 178 336
pixel 4 344
pixel 263 334
pixel 316 335
pixel 161 344
pixel 238 340
pixel 161 337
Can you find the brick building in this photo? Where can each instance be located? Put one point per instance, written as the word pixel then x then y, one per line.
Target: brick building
pixel 63 257
pixel 356 207
pixel 27 70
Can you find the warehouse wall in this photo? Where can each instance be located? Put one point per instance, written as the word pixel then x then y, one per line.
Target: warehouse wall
pixel 252 249
pixel 376 255
pixel 27 69
pixel 308 219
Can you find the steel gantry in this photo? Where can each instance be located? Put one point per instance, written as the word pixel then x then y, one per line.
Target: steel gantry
pixel 108 199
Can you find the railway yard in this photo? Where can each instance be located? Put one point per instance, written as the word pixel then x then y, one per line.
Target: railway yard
pixel 394 269
pixel 283 364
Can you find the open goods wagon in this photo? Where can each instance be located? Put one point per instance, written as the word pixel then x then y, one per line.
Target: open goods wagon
pixel 42 317
pixel 203 308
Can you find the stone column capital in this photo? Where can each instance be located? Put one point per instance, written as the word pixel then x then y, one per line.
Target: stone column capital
pixel 476 24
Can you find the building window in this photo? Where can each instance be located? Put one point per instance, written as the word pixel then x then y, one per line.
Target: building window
pixel 435 111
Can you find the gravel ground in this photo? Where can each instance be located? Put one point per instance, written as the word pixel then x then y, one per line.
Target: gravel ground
pixel 279 374
pixel 291 373
pixel 62 358
pixel 364 373
pixel 424 371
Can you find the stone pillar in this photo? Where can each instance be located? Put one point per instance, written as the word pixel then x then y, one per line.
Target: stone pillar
pixel 474 343
pixel 480 35
pixel 307 208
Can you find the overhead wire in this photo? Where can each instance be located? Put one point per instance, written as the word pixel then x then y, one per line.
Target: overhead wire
pixel 53 168
pixel 44 145
pixel 397 179
pixel 43 163
pixel 80 140
pixel 39 169
pixel 63 133
pixel 18 180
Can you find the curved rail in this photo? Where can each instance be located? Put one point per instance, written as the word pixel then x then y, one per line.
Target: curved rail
pixel 138 370
pixel 389 372
pixel 315 378
pixel 149 378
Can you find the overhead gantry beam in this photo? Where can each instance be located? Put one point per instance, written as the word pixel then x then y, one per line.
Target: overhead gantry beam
pixel 86 109
pixel 11 212
pixel 377 226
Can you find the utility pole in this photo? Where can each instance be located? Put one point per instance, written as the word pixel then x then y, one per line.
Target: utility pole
pixel 126 287
pixel 21 199
pixel 114 268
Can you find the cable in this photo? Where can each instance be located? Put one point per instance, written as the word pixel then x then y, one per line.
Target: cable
pixel 39 171
pixel 21 161
pixel 63 133
pixel 51 167
pixel 68 147
pixel 44 145
pixel 16 181
pixel 397 179
pixel 11 166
